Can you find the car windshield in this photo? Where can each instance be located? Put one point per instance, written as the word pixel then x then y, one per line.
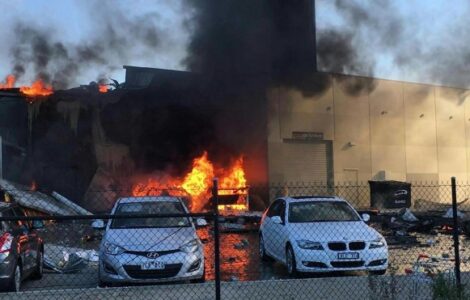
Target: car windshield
pixel 157 208
pixel 327 211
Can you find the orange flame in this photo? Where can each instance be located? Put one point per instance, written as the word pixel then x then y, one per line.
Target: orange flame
pixel 9 82
pixel 33 186
pixel 235 178
pixel 151 188
pixel 197 183
pixel 102 88
pixel 38 88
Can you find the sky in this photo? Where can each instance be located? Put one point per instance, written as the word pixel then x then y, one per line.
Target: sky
pixel 411 40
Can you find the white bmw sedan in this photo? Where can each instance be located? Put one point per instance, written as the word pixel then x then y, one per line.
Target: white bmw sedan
pixel 320 234
pixel 140 250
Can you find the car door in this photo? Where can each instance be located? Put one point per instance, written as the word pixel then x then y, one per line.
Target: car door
pixel 278 230
pixel 30 239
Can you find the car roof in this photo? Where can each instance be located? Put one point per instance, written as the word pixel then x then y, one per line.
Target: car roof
pixel 313 198
pixel 149 199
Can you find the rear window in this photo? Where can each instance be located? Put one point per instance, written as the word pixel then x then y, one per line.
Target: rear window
pixel 157 208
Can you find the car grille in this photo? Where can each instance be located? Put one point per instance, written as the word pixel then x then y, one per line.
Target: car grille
pixel 314 264
pixel 347 264
pixel 136 272
pixel 160 253
pixel 337 246
pixel 357 245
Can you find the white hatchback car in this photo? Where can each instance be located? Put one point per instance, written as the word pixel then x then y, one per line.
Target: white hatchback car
pixel 150 249
pixel 320 234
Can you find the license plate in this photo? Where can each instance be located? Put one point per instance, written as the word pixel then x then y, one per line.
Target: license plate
pixel 152 265
pixel 348 255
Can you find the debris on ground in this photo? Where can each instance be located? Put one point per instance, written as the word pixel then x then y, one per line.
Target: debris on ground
pixel 70 204
pixel 70 263
pixel 407 215
pixel 450 214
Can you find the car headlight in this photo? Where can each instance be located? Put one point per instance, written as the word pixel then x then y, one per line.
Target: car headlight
pixel 378 243
pixel 190 247
pixel 113 249
pixel 305 244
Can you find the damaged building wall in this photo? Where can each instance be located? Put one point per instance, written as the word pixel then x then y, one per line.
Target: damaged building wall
pixel 397 131
pixel 14 133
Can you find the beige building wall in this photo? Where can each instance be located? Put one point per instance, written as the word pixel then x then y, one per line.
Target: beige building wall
pixel 398 131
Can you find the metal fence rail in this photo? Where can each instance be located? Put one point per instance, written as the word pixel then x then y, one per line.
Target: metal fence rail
pixel 308 247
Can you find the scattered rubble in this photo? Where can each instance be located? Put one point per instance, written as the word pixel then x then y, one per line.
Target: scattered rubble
pixel 65 260
pixel 450 214
pixel 71 263
pixel 38 201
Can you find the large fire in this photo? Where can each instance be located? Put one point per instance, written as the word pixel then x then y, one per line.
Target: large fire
pixel 9 82
pixel 198 182
pixel 38 88
pixel 102 88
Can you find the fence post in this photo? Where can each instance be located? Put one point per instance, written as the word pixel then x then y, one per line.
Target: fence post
pixel 456 233
pixel 215 199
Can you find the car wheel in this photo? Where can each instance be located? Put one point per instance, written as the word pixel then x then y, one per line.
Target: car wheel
pixel 200 280
pixel 101 283
pixel 379 272
pixel 290 261
pixel 14 284
pixel 39 266
pixel 262 249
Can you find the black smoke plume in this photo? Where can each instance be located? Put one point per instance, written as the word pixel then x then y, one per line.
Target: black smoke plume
pixel 274 39
pixel 116 38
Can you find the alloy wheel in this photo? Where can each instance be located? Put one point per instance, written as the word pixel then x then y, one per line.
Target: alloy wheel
pixel 289 261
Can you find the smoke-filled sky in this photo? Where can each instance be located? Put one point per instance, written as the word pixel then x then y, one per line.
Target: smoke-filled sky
pixel 71 42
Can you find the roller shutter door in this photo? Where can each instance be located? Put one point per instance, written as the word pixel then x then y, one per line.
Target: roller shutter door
pixel 306 162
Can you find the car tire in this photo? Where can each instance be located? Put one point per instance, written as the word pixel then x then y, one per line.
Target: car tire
pixel 101 283
pixel 379 272
pixel 14 283
pixel 200 280
pixel 262 249
pixel 290 262
pixel 39 267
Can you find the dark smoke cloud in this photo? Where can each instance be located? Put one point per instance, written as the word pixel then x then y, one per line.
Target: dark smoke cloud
pixel 115 39
pixel 339 49
pixel 274 39
pixel 375 28
pixel 263 39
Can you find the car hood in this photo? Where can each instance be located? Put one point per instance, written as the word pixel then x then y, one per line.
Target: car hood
pixel 150 239
pixel 333 231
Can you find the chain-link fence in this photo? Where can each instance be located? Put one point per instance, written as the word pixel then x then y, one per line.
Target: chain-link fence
pixel 386 240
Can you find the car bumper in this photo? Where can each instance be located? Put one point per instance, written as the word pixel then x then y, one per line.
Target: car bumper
pixel 327 260
pixel 126 268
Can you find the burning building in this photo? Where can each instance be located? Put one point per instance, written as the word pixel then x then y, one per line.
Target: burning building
pixel 252 110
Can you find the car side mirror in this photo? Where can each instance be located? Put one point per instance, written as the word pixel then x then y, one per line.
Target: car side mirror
pixel 201 222
pixel 276 219
pixel 37 224
pixel 365 217
pixel 98 224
